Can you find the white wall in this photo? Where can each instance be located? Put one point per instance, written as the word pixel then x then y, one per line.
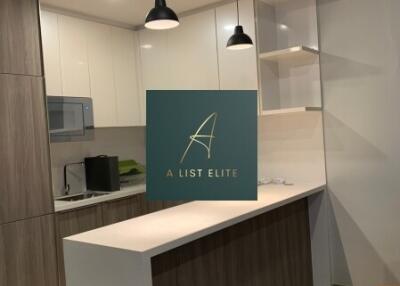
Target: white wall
pixel 126 143
pixel 360 65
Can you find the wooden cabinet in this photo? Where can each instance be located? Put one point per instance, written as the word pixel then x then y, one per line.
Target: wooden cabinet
pixel 122 209
pixel 271 249
pixel 152 206
pixel 19 37
pixel 91 217
pixel 73 222
pixel 148 206
pixel 237 68
pixel 28 252
pixel 25 189
pixel 27 234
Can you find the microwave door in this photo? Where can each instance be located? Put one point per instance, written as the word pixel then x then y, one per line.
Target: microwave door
pixel 67 120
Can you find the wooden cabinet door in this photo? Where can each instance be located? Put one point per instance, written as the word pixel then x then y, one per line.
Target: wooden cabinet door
pixel 25 189
pixel 28 253
pixel 148 206
pixel 73 222
pixel 20 37
pixel 122 209
pixel 170 204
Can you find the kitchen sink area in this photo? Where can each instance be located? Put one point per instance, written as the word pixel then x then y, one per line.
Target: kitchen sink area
pixel 82 196
pixel 88 197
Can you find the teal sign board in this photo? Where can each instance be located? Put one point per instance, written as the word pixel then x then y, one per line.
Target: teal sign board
pixel 201 145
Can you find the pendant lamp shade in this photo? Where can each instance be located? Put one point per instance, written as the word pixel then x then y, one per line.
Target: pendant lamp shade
pixel 239 40
pixel 161 17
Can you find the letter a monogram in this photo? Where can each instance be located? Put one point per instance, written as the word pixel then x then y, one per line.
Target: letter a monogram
pixel 196 137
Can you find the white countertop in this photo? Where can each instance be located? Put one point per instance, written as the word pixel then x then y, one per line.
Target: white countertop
pixel 161 231
pixel 60 206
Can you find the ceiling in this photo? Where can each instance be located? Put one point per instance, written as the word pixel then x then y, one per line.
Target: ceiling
pixel 126 12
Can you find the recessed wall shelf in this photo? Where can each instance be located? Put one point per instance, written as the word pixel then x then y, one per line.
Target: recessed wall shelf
pixel 289 110
pixel 299 52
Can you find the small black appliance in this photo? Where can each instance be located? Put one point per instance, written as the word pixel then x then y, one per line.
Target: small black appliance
pixel 102 173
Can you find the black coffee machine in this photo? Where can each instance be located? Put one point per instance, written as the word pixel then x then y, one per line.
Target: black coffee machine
pixel 102 173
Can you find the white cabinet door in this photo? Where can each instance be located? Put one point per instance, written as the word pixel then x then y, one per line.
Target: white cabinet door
pixel 154 68
pixel 237 68
pixel 124 46
pixel 102 86
pixel 192 53
pixel 51 53
pixel 73 56
pixel 181 58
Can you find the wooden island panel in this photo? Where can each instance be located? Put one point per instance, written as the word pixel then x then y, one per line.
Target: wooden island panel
pixel 272 249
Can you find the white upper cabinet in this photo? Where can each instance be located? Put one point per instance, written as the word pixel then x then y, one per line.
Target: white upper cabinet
pixel 181 58
pixel 153 47
pixel 237 68
pixel 88 59
pixel 192 53
pixel 154 59
pixel 51 51
pixel 73 57
pixel 124 47
pixel 102 86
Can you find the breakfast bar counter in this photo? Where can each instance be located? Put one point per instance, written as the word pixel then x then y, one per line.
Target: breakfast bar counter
pixel 175 245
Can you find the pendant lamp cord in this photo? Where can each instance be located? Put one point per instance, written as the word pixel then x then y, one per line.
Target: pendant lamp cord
pixel 237 10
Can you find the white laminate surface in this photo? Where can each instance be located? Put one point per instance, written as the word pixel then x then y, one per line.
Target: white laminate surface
pixel 161 231
pixel 60 206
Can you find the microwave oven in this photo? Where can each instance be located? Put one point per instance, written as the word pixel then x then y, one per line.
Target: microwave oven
pixel 70 118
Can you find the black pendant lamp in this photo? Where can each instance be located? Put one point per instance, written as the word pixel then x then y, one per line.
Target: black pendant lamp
pixel 239 40
pixel 161 17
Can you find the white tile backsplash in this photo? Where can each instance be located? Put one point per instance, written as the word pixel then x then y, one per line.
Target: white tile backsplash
pixel 124 142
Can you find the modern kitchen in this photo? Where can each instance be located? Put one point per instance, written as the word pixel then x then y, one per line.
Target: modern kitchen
pixel 75 78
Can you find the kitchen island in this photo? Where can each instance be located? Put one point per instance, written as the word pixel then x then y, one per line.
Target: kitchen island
pixel 261 242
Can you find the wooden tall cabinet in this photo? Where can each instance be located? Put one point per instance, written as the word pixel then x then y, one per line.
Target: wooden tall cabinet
pixel 25 189
pixel 19 37
pixel 27 253
pixel 27 230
